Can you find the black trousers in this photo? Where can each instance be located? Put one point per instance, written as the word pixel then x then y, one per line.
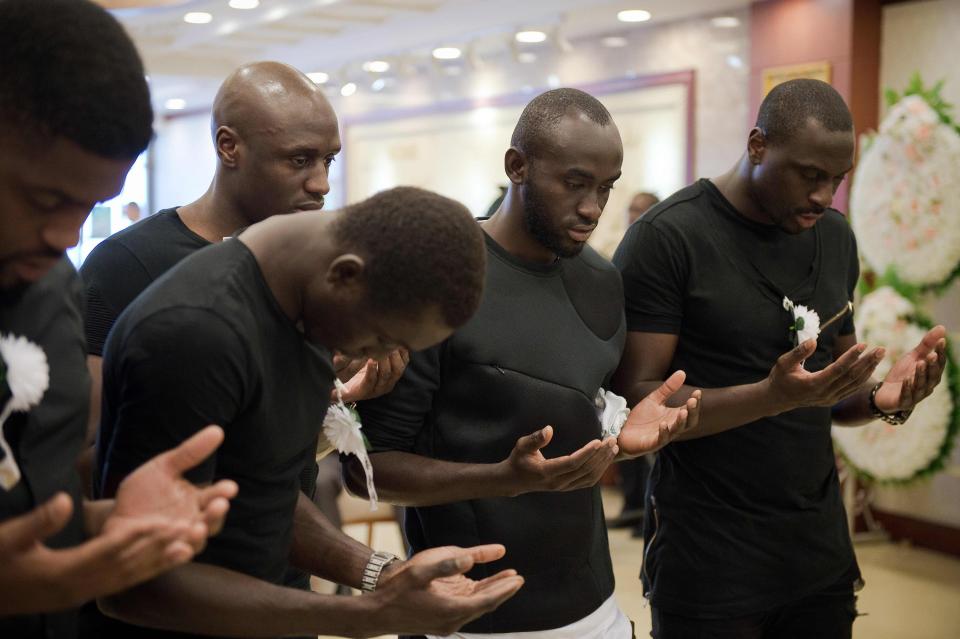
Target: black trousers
pixel 828 614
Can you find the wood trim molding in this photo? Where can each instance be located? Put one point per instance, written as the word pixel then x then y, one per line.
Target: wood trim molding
pixel 926 534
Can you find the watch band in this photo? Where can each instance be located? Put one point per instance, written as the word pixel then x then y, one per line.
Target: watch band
pixel 371 573
pixel 894 419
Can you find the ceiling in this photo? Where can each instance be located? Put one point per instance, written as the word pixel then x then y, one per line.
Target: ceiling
pixel 189 61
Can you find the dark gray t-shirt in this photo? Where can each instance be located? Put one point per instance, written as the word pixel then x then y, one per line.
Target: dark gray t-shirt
pixel 544 340
pixel 207 343
pixel 47 440
pixel 751 518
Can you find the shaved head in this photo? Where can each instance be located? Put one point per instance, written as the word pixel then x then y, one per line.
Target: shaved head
pixel 276 136
pixel 252 97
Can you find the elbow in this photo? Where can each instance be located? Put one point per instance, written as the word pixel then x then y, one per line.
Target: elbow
pixel 354 479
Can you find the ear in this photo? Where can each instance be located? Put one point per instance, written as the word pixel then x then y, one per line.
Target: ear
pixel 227 142
pixel 346 272
pixel 756 145
pixel 515 165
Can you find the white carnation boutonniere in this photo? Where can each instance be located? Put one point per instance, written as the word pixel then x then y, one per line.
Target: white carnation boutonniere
pixel 612 412
pixel 806 322
pixel 342 430
pixel 24 378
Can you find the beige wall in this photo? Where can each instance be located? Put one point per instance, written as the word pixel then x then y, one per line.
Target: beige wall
pixel 922 36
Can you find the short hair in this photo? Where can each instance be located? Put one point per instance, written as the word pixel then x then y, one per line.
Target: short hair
pixel 68 69
pixel 542 115
pixel 788 106
pixel 421 249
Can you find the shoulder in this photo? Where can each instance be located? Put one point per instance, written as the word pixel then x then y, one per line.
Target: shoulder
pixel 681 211
pixel 192 333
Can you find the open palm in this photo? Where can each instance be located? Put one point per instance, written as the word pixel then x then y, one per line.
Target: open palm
pixel 158 491
pixel 652 424
pixel 915 375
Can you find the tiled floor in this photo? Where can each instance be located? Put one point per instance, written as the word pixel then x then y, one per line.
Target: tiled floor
pixel 911 593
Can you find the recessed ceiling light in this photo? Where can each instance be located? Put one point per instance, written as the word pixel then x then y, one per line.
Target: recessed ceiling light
pixel 634 15
pixel 376 66
pixel 614 42
pixel 725 22
pixel 530 37
pixel 244 4
pixel 175 104
pixel 198 17
pixel 446 53
pixel 348 89
pixel 378 84
pixel 319 77
pixel 527 57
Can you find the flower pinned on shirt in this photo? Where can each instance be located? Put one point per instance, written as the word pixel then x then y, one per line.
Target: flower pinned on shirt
pixel 24 377
pixel 341 428
pixel 806 322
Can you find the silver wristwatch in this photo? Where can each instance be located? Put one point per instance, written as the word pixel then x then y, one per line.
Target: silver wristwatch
pixel 371 573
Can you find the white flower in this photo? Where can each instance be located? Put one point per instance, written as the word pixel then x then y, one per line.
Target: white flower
pixel 612 412
pixel 806 321
pixel 896 452
pixel 905 200
pixel 28 373
pixel 341 428
pixel 28 377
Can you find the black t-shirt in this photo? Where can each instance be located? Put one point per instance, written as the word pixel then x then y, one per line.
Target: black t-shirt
pixel 47 440
pixel 123 265
pixel 751 518
pixel 207 343
pixel 544 340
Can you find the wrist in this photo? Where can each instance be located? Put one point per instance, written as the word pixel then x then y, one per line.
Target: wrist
pixel 508 480
pixel 894 417
pixel 373 571
pixel 773 401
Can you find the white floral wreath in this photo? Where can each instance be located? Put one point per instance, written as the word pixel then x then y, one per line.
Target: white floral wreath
pixel 898 454
pixel 905 200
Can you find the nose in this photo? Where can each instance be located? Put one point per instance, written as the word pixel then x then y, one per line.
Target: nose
pixel 63 230
pixel 590 208
pixel 318 181
pixel 823 195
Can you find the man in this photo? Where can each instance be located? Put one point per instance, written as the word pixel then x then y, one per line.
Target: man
pixel 452 440
pixel 746 535
pixel 640 204
pixel 64 146
pixel 634 472
pixel 276 136
pixel 239 332
pixel 131 211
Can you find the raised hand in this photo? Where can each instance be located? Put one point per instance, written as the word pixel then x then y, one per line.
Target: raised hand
pixel 157 492
pixel 374 378
pixel 652 424
pixel 791 386
pixel 915 375
pixel 527 470
pixel 429 593
pixel 35 578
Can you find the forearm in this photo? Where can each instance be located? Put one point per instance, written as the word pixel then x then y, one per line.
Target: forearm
pixel 414 480
pixel 324 550
pixel 203 599
pixel 855 409
pixel 723 408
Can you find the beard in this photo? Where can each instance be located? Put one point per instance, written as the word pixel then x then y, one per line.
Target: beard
pixel 538 223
